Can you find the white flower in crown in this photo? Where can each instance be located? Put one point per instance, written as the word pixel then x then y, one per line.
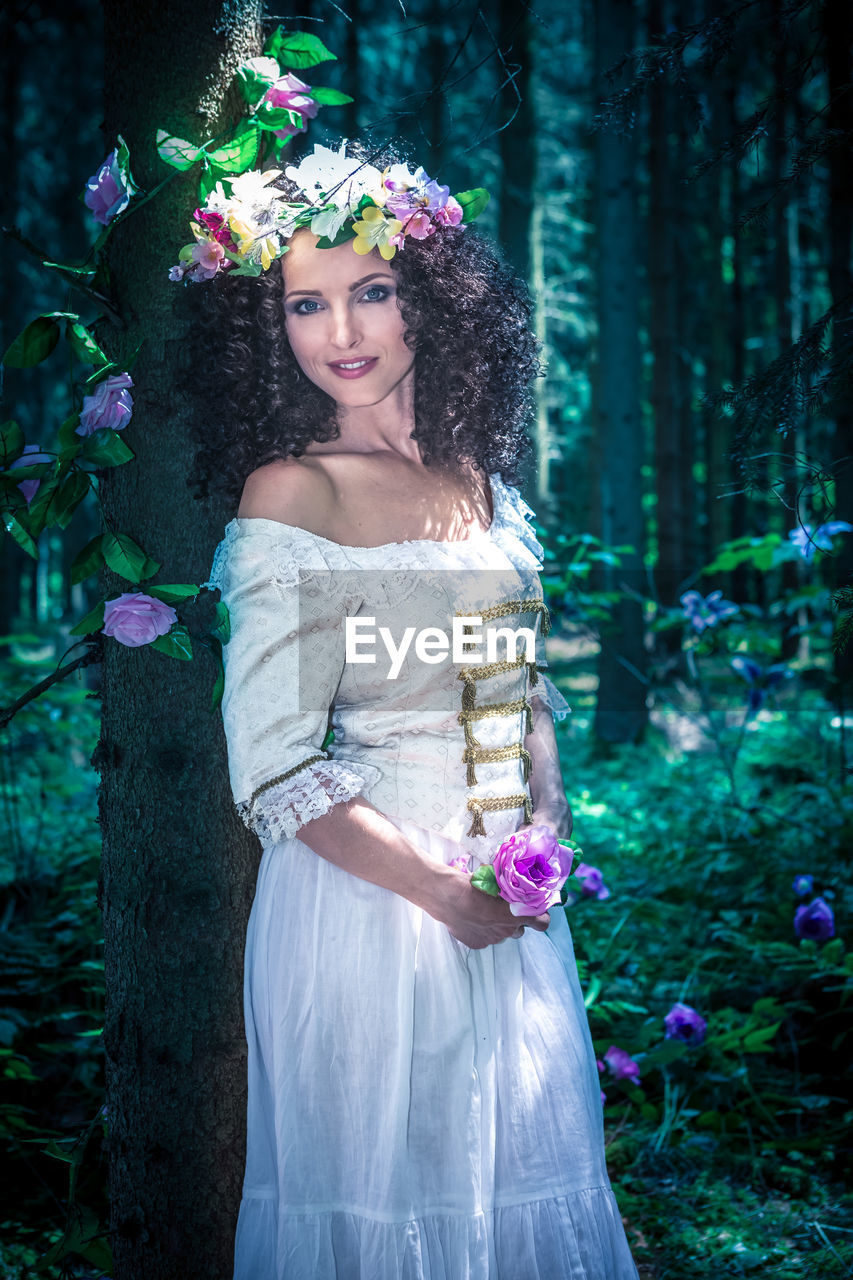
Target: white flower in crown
pixel 343 178
pixel 398 177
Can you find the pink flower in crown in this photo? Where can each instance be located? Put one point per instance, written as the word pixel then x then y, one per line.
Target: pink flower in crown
pixel 291 92
pixel 134 618
pixel 208 256
pixel 109 405
pixel 31 454
pixel 531 867
pixel 216 225
pixel 450 214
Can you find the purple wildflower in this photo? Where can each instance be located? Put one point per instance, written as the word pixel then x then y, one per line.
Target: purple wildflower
pixel 803 885
pixel 810 540
pixel 706 611
pixel 815 921
pixel 684 1023
pixel 760 680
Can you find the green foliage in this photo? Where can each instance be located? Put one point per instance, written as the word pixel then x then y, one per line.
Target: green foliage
pixel 52 984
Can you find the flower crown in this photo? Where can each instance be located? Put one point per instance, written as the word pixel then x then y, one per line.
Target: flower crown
pixel 243 231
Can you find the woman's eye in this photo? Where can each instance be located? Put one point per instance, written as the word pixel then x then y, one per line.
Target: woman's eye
pixel 297 310
pixel 379 292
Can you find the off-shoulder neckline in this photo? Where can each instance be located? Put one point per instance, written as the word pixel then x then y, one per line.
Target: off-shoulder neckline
pixel 497 494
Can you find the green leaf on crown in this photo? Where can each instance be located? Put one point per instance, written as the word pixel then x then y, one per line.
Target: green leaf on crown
pixel 345 234
pixel 175 643
pixel 241 152
pixel 329 97
pixel 473 202
pixel 255 76
pixel 297 49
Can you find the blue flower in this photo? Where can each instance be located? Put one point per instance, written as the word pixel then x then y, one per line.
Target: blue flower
pixel 803 885
pixel 760 681
pixel 706 612
pixel 808 541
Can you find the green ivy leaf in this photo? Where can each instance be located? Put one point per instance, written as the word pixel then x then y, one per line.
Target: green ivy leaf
pixel 11 443
pixel 21 535
pixel 297 49
pixel 35 343
pixel 171 592
pixel 126 557
pixel 177 152
pixel 255 76
pixel 175 643
pixel 484 878
pixel 270 117
pixel 87 560
pixel 65 498
pixel 473 202
pixel 105 448
pixel 329 97
pixel 221 628
pixel 240 153
pixel 70 442
pixel 93 621
pixel 84 346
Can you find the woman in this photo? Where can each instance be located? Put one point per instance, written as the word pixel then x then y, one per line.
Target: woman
pixel 423 1093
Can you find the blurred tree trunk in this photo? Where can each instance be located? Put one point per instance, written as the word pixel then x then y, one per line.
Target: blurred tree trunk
pixel 716 341
pixel 736 326
pixel 178 868
pixel 665 335
pixel 838 33
pixel 621 714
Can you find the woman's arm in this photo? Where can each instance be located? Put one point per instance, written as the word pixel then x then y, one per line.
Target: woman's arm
pixel 547 789
pixel 357 837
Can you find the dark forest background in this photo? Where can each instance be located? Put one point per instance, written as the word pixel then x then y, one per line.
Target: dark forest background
pixel 674 180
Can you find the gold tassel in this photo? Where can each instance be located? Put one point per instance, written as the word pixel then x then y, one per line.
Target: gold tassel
pixel 476 828
pixel 470 775
pixel 469 694
pixel 525 760
pixel 534 674
pixel 470 740
pixel 546 620
pixel 528 711
pixel 528 809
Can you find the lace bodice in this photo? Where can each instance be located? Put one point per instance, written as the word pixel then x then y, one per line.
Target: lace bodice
pixel 439 742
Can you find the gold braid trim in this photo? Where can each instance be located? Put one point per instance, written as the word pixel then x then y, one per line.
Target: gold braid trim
pixel 471 675
pixel 534 605
pixel 494 709
pixel 486 755
pixel 477 805
pixel 323 755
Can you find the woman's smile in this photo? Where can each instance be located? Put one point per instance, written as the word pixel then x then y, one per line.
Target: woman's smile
pixel 344 326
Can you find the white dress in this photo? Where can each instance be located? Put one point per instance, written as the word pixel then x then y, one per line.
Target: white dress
pixel 417 1110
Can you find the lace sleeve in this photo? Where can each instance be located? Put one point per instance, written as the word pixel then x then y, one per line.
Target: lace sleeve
pixel 545 689
pixel 283 664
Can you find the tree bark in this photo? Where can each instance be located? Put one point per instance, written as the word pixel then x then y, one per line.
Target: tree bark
pixel 178 868
pixel 621 714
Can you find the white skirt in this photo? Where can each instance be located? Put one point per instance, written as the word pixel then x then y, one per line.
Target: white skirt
pixel 417 1110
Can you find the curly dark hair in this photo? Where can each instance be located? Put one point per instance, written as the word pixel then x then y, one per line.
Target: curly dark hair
pixel 467 317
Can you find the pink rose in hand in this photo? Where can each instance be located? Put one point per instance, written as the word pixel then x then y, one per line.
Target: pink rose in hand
pixel 531 867
pixel 134 618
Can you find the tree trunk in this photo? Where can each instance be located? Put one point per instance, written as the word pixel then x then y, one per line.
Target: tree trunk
pixel 664 337
pixel 838 33
pixel 178 868
pixel 621 714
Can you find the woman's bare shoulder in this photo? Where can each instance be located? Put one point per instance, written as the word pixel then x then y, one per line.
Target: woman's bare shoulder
pixel 294 491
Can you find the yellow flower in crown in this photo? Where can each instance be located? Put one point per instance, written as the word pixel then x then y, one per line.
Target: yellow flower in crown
pixel 375 231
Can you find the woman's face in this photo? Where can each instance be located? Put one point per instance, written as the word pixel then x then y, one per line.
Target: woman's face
pixel 343 322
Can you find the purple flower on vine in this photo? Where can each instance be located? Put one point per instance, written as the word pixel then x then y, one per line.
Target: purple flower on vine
pixel 809 540
pixel 760 680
